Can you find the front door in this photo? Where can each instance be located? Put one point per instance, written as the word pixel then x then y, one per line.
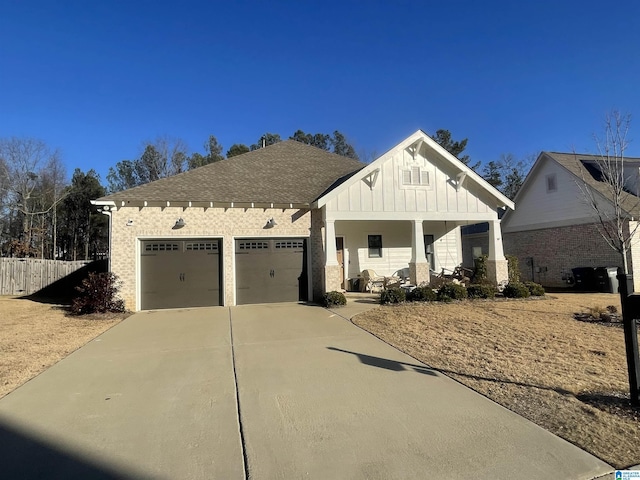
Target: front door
pixel 340 255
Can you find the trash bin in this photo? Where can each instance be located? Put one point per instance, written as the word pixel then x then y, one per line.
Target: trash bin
pixel 606 279
pixel 354 284
pixel 585 278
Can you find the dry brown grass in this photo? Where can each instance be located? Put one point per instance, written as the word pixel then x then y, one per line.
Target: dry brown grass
pixel 531 356
pixel 34 336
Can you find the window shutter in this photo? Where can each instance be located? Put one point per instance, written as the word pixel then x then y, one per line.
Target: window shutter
pixel 424 178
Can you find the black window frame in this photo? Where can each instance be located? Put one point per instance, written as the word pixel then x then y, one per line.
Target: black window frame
pixel 374 242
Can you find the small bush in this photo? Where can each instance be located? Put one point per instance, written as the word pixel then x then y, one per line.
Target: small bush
pixel 334 299
pixel 452 291
pixel 612 309
pixel 535 289
pixel 422 294
pixel 513 266
pixel 98 293
pixel 481 291
pixel 392 295
pixel 516 290
pixel 480 269
pixel 597 312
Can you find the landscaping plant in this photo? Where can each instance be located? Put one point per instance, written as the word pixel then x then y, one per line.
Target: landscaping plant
pixel 98 293
pixel 392 295
pixel 535 289
pixel 481 291
pixel 334 299
pixel 422 294
pixel 452 291
pixel 516 290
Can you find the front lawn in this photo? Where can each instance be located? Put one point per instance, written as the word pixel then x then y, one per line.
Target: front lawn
pixel 531 356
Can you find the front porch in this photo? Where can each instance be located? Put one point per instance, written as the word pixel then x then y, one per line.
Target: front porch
pixel 386 247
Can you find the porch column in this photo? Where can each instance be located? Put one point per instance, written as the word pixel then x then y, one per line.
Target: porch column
pixel 418 265
pixel 332 280
pixel 497 269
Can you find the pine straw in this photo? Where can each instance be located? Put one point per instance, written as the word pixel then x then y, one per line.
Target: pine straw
pixel 34 336
pixel 531 356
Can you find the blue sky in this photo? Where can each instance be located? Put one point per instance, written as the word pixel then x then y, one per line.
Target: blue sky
pixel 96 79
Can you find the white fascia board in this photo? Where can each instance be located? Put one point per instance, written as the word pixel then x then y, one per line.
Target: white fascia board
pixel 424 216
pixel 103 203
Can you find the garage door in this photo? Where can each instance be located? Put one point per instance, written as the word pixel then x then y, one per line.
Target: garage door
pixel 271 270
pixel 180 273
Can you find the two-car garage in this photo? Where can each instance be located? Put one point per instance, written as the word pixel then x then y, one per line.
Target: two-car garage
pixel 179 273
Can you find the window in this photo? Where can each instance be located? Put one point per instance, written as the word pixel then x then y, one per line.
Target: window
pixel 551 183
pixel 428 251
pixel 476 252
pixel 415 176
pixel 375 246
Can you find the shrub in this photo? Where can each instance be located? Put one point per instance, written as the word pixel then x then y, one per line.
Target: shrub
pixel 422 294
pixel 98 293
pixel 612 309
pixel 452 291
pixel 513 266
pixel 334 299
pixel 392 295
pixel 516 290
pixel 481 291
pixel 480 269
pixel 535 289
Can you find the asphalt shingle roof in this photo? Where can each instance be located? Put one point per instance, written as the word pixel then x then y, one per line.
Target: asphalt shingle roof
pixel 285 172
pixel 575 163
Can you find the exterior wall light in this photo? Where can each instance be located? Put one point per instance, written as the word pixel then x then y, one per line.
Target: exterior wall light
pixel 179 224
pixel 270 223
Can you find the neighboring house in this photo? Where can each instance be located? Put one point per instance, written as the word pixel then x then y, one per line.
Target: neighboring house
pixel 289 222
pixel 554 229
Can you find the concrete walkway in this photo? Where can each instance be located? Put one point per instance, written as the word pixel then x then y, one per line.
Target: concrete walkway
pixel 155 397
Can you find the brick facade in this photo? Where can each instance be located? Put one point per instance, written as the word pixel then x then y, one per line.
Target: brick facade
pixel 156 222
pixel 555 251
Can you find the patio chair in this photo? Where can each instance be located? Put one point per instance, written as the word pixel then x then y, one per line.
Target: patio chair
pixel 372 282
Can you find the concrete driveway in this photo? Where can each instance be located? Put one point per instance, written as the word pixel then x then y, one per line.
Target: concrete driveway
pixel 316 397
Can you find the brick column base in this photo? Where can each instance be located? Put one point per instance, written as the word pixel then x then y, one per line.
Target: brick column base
pixel 419 273
pixel 332 280
pixel 497 271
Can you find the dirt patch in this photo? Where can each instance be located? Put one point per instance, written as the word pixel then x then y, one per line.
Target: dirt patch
pixel 533 357
pixel 34 336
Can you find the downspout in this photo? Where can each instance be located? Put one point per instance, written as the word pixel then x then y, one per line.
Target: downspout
pixel 108 214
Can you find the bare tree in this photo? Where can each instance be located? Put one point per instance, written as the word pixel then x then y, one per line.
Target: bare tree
pixel 25 184
pixel 617 198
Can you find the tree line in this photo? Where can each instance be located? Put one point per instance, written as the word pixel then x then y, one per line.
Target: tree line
pixel 44 214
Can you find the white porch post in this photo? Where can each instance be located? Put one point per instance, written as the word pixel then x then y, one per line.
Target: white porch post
pixel 418 265
pixel 332 280
pixel 331 256
pixel 497 268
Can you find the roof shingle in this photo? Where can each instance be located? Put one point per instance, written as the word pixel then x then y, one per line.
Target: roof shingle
pixel 285 172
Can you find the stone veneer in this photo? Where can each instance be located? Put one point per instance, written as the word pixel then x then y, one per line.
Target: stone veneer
pixel 419 273
pixel 226 224
pixel 498 271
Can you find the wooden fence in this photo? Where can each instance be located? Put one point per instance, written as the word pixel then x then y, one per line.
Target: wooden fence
pixel 24 276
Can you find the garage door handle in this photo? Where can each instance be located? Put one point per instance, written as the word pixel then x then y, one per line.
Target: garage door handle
pixel 181 277
pixel 272 273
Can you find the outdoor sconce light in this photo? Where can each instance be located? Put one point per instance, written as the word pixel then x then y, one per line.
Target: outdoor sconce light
pixel 270 223
pixel 130 223
pixel 179 224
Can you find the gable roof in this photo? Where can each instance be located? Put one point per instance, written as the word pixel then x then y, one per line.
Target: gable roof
pixel 583 168
pixel 419 138
pixel 287 172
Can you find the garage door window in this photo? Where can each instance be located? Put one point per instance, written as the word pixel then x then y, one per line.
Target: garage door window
pixel 289 244
pixel 211 246
pixel 160 247
pixel 248 245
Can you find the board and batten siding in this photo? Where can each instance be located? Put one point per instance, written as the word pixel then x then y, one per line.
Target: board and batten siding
pixel 389 194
